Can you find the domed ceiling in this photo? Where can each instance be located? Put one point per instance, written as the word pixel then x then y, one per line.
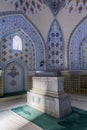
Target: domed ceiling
pixel 27 6
pixel 76 5
pixel 33 6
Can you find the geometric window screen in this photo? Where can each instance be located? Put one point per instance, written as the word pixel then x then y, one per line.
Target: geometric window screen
pixel 17 43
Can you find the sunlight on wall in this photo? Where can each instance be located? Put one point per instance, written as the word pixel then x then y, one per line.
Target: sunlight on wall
pixel 17 43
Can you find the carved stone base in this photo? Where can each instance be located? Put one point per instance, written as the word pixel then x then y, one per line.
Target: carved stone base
pixel 47 95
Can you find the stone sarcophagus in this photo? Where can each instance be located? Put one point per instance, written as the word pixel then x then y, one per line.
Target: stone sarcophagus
pixel 48 95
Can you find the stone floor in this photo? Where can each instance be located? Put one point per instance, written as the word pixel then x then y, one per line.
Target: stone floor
pixel 79 101
pixel 12 104
pixel 11 121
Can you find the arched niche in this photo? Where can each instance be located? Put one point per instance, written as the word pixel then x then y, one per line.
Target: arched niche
pixel 15 76
pixel 77 47
pixel 13 22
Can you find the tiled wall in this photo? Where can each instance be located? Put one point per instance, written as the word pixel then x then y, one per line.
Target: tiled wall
pixel 7 53
pixel 78 47
pixel 55 47
pixel 33 45
pixel 39 13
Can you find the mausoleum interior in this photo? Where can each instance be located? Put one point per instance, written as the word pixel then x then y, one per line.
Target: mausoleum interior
pixel 43 57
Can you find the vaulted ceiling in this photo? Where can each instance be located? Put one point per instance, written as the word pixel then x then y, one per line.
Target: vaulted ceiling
pixel 33 6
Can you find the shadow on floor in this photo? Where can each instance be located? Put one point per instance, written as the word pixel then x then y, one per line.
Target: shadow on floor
pixel 77 120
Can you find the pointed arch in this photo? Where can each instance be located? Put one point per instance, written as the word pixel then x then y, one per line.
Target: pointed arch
pixel 17 43
pixel 77 47
pixel 27 54
pixel 55 47
pixel 11 22
pixel 15 71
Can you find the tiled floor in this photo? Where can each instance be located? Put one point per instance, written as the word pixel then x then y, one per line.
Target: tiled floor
pixel 11 121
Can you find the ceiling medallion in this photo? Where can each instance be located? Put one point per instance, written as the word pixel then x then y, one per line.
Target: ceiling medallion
pixel 55 5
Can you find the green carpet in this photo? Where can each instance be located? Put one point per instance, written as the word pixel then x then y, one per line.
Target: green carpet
pixel 77 120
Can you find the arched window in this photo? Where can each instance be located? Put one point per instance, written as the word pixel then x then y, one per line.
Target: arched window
pixel 17 43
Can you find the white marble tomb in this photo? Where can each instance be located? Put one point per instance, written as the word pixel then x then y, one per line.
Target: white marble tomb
pixel 48 95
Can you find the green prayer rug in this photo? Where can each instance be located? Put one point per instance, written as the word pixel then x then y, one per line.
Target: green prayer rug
pixel 77 120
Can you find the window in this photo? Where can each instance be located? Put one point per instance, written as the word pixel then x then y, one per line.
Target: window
pixel 17 43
